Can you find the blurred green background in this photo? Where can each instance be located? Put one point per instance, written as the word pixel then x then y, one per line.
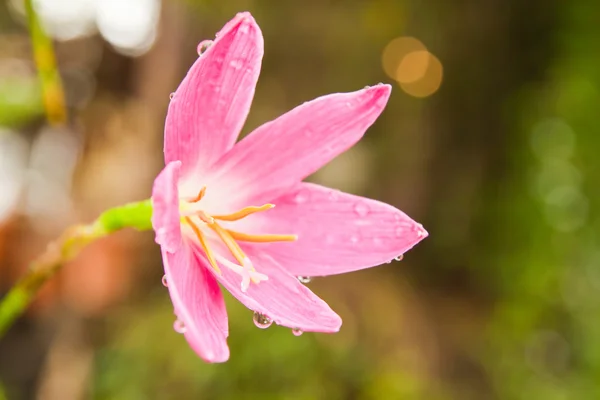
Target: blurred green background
pixel 490 139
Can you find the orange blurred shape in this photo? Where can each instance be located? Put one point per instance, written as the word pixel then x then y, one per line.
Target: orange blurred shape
pixel 395 52
pixel 413 66
pixel 420 74
pixel 100 276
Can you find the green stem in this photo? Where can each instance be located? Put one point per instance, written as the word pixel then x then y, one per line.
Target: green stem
pixel 65 248
pixel 43 53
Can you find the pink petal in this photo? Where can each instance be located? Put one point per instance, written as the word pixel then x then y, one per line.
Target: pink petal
pixel 165 207
pixel 337 232
pixel 282 152
pixel 198 303
pixel 210 106
pixel 282 298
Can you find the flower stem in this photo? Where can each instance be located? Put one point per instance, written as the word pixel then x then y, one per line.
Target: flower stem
pixel 43 53
pixel 65 248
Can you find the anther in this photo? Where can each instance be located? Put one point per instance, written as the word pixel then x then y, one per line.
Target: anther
pixel 244 237
pixel 244 212
pixel 205 217
pixel 199 196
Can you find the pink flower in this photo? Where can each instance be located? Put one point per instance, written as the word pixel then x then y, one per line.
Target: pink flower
pixel 214 201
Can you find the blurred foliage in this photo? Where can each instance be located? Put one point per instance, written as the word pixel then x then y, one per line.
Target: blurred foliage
pixel 20 100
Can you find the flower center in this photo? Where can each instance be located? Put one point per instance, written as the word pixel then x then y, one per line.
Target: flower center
pixel 197 219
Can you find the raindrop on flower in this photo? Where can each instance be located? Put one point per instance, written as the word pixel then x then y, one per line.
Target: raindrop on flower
pixel 236 64
pixel 179 326
pixel 297 331
pixel 304 279
pixel 329 238
pixel 354 239
pixel 203 46
pixel 301 197
pixel 399 258
pixel 164 281
pixel 261 320
pixel 361 209
pixel 172 95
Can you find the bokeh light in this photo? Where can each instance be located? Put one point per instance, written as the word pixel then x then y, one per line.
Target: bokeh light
pixel 395 51
pixel 418 72
pixel 130 26
pixel 428 70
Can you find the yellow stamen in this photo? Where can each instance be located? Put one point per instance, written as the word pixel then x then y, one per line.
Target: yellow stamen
pixel 244 237
pixel 207 250
pixel 199 196
pixel 233 247
pixel 244 212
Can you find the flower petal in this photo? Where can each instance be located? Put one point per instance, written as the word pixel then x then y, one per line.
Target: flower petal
pixel 198 303
pixel 212 102
pixel 282 298
pixel 337 232
pixel 165 207
pixel 282 152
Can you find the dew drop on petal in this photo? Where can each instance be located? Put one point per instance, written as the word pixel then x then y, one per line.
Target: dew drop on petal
pixel 164 281
pixel 179 326
pixel 399 258
pixel 261 320
pixel 297 331
pixel 301 197
pixel 243 28
pixel 377 241
pixel 354 239
pixel 171 96
pixel 203 46
pixel 422 232
pixel 399 232
pixel 361 209
pixel 236 64
pixel 304 279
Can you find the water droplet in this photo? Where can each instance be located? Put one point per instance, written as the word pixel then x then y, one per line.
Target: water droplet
pixel 164 281
pixel 304 279
pixel 367 87
pixel 297 331
pixel 301 197
pixel 179 326
pixel 243 28
pixel 422 232
pixel 389 262
pixel 203 46
pixel 236 64
pixel 399 258
pixel 354 239
pixel 349 104
pixel 261 320
pixel 329 238
pixel 399 232
pixel 361 209
pixel 171 96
